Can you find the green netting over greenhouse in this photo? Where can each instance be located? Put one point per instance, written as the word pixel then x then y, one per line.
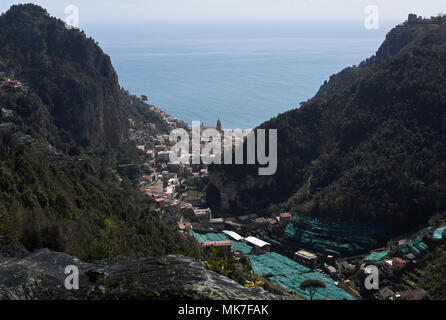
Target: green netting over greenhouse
pixel 331 291
pixel 438 233
pixel 270 264
pixel 333 238
pixel 241 247
pixel 289 274
pixel 208 236
pixel 268 239
pixel 417 246
pixel 376 256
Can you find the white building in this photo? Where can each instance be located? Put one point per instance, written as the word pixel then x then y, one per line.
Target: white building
pixel 305 257
pixel 257 242
pixel 233 235
pixel 202 213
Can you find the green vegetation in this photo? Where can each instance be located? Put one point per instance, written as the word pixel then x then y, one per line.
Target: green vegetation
pixel 242 273
pixel 59 188
pixel 220 263
pixel 429 274
pixel 371 149
pixel 75 94
pixel 142 114
pixel 311 286
pixel 67 207
pixel 191 193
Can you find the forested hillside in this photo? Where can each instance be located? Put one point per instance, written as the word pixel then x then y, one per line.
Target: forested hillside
pixel 63 132
pixel 370 145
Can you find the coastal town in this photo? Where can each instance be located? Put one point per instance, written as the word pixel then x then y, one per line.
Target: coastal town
pixel 258 240
pixel 123 176
pixel 284 247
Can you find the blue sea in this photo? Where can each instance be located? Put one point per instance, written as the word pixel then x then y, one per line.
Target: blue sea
pixel 240 73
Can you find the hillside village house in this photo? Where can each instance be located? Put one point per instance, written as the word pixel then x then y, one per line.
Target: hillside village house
pixel 150 153
pixel 260 220
pixel 285 215
pixel 225 246
pixel 169 191
pixel 160 147
pixel 154 189
pixel 285 218
pixel 395 264
pixel 159 204
pixel 272 223
pixel 196 202
pixel 176 167
pixel 150 178
pixel 306 258
pixel 202 213
pixel 257 242
pixel 163 156
pixel 233 235
pixel 187 210
pixel 331 269
pixel 172 119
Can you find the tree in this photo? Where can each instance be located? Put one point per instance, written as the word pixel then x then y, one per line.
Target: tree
pixel 311 286
pixel 144 98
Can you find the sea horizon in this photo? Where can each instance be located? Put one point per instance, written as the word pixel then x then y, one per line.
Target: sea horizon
pixel 240 73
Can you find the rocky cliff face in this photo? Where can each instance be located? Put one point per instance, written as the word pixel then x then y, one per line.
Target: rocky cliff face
pixel 234 194
pixel 69 73
pixel 40 275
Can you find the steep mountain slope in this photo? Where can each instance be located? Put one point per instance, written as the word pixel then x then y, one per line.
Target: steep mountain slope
pixel 70 76
pixel 402 38
pixel 369 145
pixel 61 141
pixel 63 137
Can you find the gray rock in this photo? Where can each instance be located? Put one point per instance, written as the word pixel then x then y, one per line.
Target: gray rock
pixel 41 275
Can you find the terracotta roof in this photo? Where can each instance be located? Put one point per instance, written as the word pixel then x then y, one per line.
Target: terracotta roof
pixel 398 260
pixel 224 243
pixel 271 221
pixel 285 215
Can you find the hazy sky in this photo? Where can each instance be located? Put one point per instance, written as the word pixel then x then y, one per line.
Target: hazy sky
pixel 118 11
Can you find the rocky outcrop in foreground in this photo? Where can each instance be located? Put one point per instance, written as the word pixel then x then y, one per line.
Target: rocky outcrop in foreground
pixel 41 275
